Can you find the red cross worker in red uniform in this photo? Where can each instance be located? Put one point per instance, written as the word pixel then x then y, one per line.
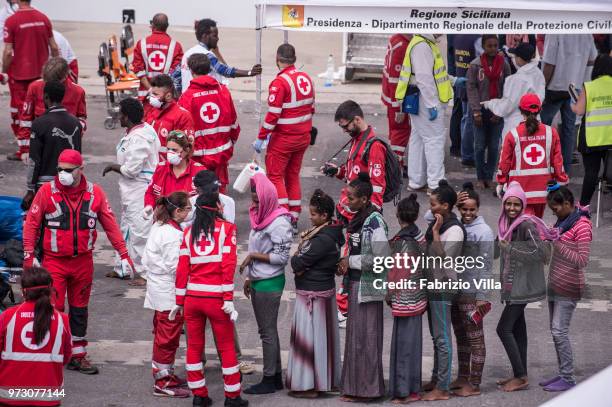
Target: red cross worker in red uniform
pixel 156 54
pixel 214 117
pixel 531 155
pixel 35 343
pixel 399 123
pixel 28 37
pixel 174 175
pixel 66 212
pixel 350 118
pixel 287 126
pixel 56 69
pixel 205 291
pixel 164 114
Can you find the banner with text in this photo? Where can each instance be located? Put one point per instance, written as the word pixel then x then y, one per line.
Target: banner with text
pixel 424 20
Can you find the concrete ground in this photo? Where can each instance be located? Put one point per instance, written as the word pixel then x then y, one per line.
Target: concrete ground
pixel 120 329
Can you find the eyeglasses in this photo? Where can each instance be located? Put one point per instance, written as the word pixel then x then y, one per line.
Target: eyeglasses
pixel 345 126
pixel 68 170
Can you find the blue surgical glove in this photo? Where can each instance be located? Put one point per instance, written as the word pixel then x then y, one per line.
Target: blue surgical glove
pixel 260 144
pixel 433 113
pixel 460 82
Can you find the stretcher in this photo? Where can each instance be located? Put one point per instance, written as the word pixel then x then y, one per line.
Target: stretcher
pixel 119 80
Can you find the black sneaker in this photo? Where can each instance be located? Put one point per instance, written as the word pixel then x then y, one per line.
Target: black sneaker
pixel 82 365
pixel 199 401
pixel 278 381
pixel 266 386
pixel 236 402
pixel 468 163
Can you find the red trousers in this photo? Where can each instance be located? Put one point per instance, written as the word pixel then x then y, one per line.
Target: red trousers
pixel 535 209
pixel 18 90
pixel 399 134
pixel 283 165
pixel 167 335
pixel 73 275
pixel 197 311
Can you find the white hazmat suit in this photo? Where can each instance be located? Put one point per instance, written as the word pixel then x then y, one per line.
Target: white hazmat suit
pixel 137 154
pixel 527 79
pixel 426 144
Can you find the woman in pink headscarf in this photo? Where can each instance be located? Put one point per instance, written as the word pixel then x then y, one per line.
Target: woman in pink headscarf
pixel 524 252
pixel 269 243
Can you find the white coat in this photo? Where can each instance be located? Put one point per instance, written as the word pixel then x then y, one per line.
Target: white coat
pixel 137 154
pixel 160 259
pixel 527 79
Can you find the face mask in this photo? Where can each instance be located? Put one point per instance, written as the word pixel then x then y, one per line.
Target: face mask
pixel 174 158
pixel 155 102
pixel 65 178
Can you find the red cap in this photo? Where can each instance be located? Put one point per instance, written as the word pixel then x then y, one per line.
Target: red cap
pixel 531 102
pixel 69 156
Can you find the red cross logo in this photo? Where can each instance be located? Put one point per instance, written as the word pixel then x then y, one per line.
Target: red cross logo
pixel 210 112
pixel 27 337
pixel 303 85
pixel 157 60
pixel 534 154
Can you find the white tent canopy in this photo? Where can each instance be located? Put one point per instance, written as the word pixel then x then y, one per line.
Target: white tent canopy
pixel 439 16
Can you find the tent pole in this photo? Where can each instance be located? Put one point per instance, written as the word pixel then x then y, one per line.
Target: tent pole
pixel 258 61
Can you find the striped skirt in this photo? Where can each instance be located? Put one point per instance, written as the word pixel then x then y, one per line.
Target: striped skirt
pixel 314 354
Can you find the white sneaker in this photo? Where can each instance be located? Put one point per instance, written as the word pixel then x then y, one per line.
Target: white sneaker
pixel 246 368
pixel 341 320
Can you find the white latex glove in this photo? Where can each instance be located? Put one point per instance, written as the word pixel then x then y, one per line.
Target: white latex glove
pixel 25 157
pixel 499 189
pixel 147 212
pixel 228 308
pixel 400 117
pixel 176 310
pixel 127 268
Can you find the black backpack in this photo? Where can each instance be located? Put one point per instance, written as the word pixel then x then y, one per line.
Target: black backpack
pixel 393 171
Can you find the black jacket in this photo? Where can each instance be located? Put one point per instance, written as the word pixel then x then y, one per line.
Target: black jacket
pixel 53 132
pixel 318 260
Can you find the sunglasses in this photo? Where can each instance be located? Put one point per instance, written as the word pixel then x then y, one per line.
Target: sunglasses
pixel 345 126
pixel 68 170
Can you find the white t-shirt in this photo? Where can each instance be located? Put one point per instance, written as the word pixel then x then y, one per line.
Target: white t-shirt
pixel 569 53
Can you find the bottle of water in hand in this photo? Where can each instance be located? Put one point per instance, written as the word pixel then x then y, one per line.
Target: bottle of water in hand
pixel 329 73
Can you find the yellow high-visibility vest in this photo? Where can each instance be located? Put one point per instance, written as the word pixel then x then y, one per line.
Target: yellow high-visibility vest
pixel 443 83
pixel 598 116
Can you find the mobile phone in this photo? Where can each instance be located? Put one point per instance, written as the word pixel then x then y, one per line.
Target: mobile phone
pixel 573 92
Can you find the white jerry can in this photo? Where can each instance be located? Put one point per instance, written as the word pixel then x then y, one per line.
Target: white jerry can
pixel 242 182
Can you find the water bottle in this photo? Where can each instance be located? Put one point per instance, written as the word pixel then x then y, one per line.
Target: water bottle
pixel 329 73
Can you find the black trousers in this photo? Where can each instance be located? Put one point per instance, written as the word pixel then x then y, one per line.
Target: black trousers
pixel 455 127
pixel 592 164
pixel 512 330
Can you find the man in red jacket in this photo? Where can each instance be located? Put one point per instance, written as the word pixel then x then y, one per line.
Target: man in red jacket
pixel 28 37
pixel 164 114
pixel 287 125
pixel 350 118
pixel 56 69
pixel 156 54
pixel 399 123
pixel 66 211
pixel 214 117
